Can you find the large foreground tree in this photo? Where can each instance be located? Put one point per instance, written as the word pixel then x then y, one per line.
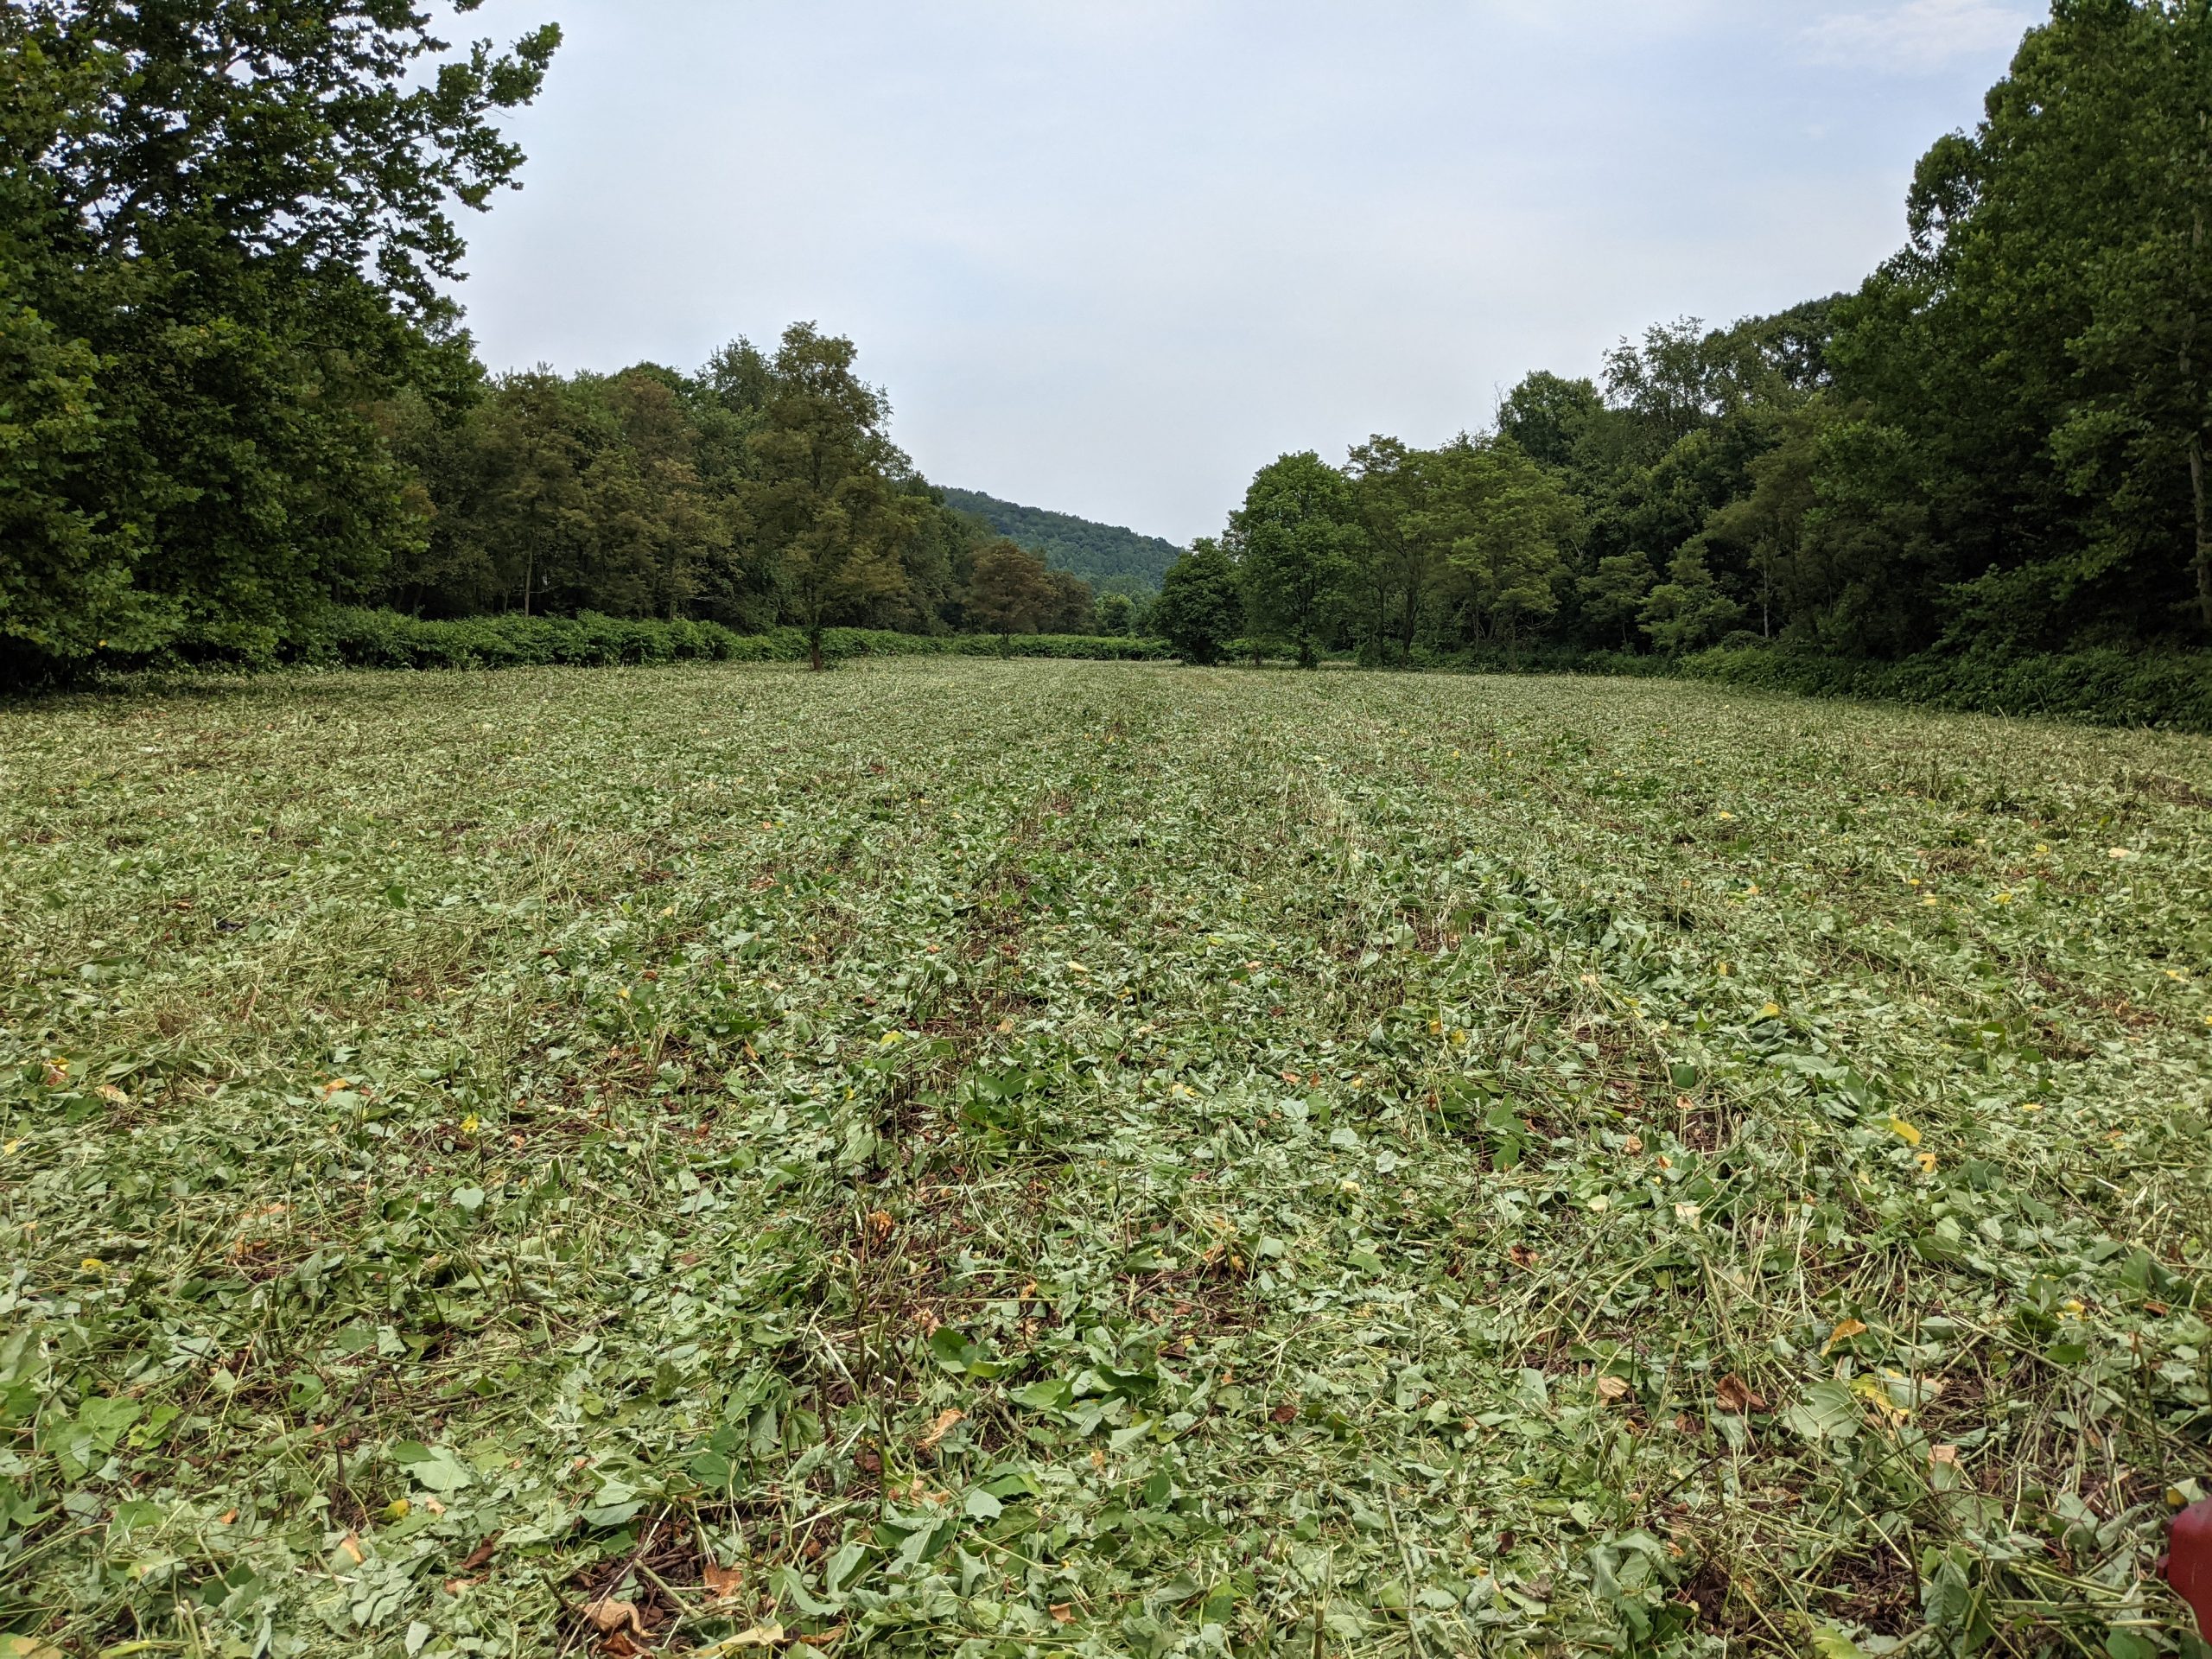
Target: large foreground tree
pixel 226 227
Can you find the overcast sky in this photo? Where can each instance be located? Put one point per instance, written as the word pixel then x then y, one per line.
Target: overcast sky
pixel 1110 256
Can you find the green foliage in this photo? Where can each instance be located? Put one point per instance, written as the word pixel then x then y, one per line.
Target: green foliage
pixel 1109 558
pixel 223 228
pixel 1081 1158
pixel 368 639
pixel 1009 590
pixel 1201 607
pixel 1292 543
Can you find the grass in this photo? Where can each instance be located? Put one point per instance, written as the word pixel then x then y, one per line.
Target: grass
pixel 1042 1158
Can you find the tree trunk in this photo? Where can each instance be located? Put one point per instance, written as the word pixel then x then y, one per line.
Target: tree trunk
pixel 814 649
pixel 2203 530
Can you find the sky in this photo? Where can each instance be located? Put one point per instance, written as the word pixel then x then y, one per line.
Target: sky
pixel 1111 257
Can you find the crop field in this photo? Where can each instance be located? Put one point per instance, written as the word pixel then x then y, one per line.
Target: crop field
pixel 951 1156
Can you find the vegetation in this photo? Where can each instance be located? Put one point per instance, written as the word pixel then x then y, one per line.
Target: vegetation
pixel 1111 559
pixel 1037 1158
pixel 1995 446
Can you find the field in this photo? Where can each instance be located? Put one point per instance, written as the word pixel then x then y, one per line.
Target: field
pixel 952 1156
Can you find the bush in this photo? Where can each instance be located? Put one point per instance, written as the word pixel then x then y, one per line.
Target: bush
pixel 369 638
pixel 2172 690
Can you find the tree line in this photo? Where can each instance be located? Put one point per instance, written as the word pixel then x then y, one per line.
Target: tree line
pixel 235 394
pixel 1996 443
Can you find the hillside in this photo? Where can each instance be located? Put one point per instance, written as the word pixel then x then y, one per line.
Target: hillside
pixel 1109 557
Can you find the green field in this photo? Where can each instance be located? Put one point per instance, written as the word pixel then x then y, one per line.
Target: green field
pixel 1009 1158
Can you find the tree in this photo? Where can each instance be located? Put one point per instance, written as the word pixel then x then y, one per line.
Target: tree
pixel 1292 538
pixel 825 504
pixel 1010 591
pixel 1117 615
pixel 1612 597
pixel 1551 417
pixel 224 227
pixel 1508 523
pixel 1070 611
pixel 1394 566
pixel 1689 610
pixel 1200 607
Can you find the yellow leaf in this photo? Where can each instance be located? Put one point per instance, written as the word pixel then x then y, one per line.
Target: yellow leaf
pixel 1904 1132
pixel 1845 1331
pixel 939 1429
pixel 760 1635
pixel 1770 1011
pixel 1927 1162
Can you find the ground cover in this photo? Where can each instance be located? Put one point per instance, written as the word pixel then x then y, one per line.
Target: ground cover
pixel 996 1158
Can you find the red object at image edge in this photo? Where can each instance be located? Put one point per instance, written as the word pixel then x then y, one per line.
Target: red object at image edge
pixel 2188 1561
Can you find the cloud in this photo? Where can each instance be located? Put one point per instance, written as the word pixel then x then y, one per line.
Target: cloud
pixel 1919 36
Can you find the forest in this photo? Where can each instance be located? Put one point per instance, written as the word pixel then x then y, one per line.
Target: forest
pixel 238 398
pixel 1113 560
pixel 1995 445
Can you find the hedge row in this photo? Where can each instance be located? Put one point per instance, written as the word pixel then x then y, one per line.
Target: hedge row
pixel 365 638
pixel 2167 689
pixel 2102 687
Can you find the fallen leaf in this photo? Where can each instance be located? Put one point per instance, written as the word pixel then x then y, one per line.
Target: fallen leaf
pixel 1904 1132
pixel 760 1635
pixel 350 1548
pixel 880 1223
pixel 721 1582
pixel 1612 1389
pixel 938 1430
pixel 1845 1330
pixel 1521 1256
pixel 1736 1396
pixel 1946 1454
pixel 483 1553
pixel 1284 1414
pixel 1063 1612
pixel 622 1646
pixel 608 1616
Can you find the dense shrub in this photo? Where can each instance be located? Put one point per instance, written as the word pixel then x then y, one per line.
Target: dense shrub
pixel 369 638
pixel 2102 687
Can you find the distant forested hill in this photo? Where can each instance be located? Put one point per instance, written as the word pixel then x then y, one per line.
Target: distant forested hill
pixel 1109 558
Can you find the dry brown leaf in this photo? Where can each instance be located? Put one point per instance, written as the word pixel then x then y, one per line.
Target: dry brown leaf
pixel 1944 1454
pixel 1063 1612
pixel 939 1429
pixel 608 1616
pixel 623 1645
pixel 1612 1388
pixel 350 1548
pixel 721 1582
pixel 1284 1414
pixel 481 1553
pixel 1633 1145
pixel 1845 1331
pixel 1736 1396
pixel 825 1638
pixel 1521 1256
pixel 879 1225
